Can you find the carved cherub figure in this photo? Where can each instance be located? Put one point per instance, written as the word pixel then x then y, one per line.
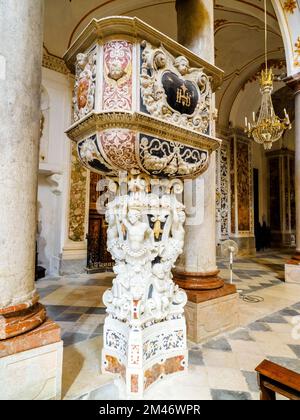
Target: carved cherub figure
pixel 138 232
pixel 116 70
pixel 161 289
pixel 182 64
pixel 159 60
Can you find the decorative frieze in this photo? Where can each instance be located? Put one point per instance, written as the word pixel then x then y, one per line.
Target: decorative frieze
pixel 54 63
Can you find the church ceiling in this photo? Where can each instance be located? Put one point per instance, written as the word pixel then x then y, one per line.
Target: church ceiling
pixel 239 37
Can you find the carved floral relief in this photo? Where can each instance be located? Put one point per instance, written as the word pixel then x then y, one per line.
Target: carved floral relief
pixel 117 91
pixel 119 147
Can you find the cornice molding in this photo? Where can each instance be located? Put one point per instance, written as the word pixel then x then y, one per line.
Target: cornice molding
pixel 141 123
pixel 134 28
pixel 54 63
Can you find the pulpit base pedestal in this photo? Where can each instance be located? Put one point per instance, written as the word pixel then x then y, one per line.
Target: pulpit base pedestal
pixel 143 355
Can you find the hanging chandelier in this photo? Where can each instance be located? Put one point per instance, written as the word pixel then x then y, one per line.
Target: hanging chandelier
pixel 269 127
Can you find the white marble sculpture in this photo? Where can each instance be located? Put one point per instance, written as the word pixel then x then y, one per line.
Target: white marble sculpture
pixel 144 255
pixel 145 331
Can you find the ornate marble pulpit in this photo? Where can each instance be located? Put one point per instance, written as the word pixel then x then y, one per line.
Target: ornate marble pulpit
pixel 143 118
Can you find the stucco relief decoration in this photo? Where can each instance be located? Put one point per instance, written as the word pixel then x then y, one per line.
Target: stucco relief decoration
pixel 243 186
pixel 85 83
pixel 223 203
pixel 171 158
pixel 117 92
pixel 77 199
pixel 297 52
pixel 173 91
pixel 289 6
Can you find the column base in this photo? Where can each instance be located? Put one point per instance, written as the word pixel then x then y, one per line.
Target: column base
pixel 292 273
pixel 21 321
pixel 211 313
pixel 295 260
pixel 198 281
pixel 31 365
pixel 142 356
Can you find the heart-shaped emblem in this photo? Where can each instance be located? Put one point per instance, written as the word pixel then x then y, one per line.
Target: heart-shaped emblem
pixel 182 95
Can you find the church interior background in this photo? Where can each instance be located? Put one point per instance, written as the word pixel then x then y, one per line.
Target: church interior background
pixel 254 199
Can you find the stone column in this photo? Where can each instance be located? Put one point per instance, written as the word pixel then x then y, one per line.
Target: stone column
pixel 197 268
pixel 293 274
pixel 21 25
pixel 212 306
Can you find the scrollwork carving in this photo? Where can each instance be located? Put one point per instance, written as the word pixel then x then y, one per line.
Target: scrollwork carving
pixel 173 91
pixel 171 158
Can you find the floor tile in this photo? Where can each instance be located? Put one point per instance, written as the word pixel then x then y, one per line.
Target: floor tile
pixel 221 344
pixel 224 394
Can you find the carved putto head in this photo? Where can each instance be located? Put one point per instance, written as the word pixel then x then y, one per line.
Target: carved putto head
pixel 182 64
pixel 116 70
pixel 82 60
pixel 134 215
pixel 159 60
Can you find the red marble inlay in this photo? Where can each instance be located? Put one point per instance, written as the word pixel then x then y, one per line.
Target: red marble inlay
pixel 82 93
pixel 134 383
pixel 114 366
pixel 117 92
pixel 171 365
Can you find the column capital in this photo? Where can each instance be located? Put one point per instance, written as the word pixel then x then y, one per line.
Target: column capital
pixel 293 82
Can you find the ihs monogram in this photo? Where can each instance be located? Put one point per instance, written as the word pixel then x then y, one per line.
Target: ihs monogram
pixel 183 96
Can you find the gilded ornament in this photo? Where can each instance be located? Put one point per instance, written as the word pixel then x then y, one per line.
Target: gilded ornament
pixel 297 52
pixel 290 6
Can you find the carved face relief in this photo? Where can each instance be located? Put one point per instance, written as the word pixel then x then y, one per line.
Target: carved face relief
pixel 134 216
pixel 160 60
pixel 116 70
pixel 182 64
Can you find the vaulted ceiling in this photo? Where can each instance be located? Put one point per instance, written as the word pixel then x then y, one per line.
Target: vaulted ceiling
pixel 239 40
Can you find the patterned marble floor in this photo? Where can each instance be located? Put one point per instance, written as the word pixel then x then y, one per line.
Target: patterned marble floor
pixel 222 368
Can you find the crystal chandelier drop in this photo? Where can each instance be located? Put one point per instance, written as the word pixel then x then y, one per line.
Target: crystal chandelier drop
pixel 269 127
